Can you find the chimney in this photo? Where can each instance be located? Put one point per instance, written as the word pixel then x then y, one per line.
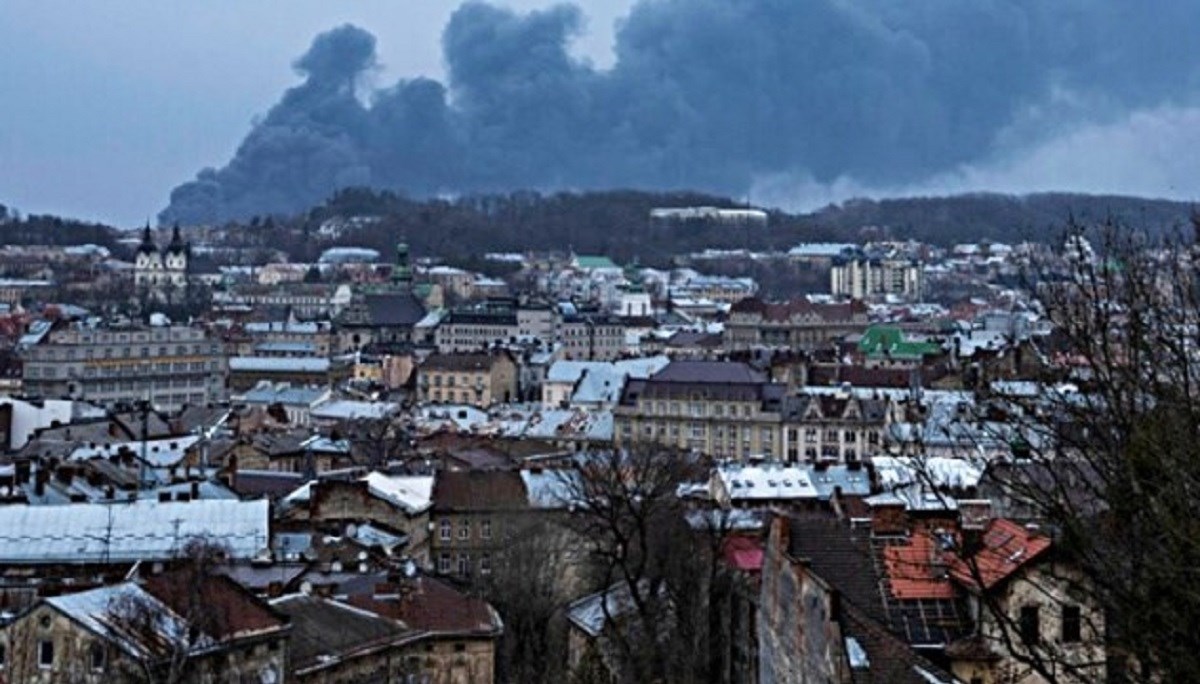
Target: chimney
pixel 195 490
pixel 974 514
pixel 39 482
pixel 22 469
pixel 889 518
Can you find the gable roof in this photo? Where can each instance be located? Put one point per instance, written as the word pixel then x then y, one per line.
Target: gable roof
pixel 1007 547
pixel 429 605
pixel 396 309
pixel 479 490
pixel 323 629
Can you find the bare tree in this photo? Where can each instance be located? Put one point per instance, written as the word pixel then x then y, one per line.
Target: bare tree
pixel 1107 457
pixel 171 632
pixel 635 529
pixel 532 579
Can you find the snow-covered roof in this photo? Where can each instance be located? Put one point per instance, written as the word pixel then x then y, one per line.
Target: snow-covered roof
pixel 413 493
pixel 288 395
pixel 100 609
pixel 766 482
pixel 935 471
pixel 160 453
pixel 125 532
pixel 271 364
pixel 349 409
pixel 550 488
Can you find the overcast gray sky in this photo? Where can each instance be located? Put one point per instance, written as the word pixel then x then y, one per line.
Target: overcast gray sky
pixel 105 105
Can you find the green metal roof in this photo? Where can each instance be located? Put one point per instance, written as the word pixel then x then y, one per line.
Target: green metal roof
pixel 594 262
pixel 886 340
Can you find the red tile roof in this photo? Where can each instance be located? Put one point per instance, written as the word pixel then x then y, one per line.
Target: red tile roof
pixel 227 610
pixel 744 553
pixel 913 570
pixel 429 605
pixel 1007 547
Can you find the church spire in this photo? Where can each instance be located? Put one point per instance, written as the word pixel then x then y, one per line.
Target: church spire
pixel 147 240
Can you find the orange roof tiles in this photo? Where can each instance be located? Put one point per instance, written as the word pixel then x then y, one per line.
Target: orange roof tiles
pixel 914 572
pixel 1007 546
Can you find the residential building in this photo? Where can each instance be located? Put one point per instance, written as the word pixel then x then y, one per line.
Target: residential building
pixel 480 379
pixel 207 628
pixel 450 641
pixel 247 372
pixel 841 427
pixel 591 336
pixel 723 409
pixel 860 277
pixel 172 366
pixel 475 514
pixel 795 324
pixel 304 300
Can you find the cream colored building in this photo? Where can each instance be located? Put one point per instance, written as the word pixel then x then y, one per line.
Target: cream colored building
pixel 481 380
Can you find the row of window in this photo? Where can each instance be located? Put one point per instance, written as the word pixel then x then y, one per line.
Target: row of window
pixel 696 409
pixel 446 529
pixel 446 564
pixel 97 655
pixel 450 380
pixel 89 353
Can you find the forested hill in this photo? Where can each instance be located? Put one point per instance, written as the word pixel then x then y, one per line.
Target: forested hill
pixel 34 229
pixel 618 223
pixel 1001 218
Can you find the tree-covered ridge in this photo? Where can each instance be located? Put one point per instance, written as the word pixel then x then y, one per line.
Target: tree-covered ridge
pixel 33 229
pixel 618 223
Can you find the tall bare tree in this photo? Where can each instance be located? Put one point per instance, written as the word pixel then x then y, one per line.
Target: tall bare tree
pixel 1107 458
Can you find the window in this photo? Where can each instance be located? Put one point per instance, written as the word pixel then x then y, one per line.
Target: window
pixel 485 529
pixel 464 564
pixel 444 531
pixel 1072 624
pixel 444 563
pixel 3 657
pixel 485 564
pixel 45 654
pixel 464 530
pixel 1028 623
pixel 97 656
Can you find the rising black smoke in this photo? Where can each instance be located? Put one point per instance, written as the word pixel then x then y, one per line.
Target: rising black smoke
pixel 705 94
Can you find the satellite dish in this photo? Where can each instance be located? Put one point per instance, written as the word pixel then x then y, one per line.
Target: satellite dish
pixel 351 530
pixel 306 588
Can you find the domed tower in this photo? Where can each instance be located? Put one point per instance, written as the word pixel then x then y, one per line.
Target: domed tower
pixel 402 278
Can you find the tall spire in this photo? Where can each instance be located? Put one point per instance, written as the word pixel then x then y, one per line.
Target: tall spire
pixel 147 240
pixel 176 244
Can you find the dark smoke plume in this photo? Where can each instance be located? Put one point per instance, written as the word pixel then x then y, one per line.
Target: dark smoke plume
pixel 705 94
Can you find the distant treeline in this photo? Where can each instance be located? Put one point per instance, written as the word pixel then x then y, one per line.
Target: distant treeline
pixel 618 223
pixel 33 229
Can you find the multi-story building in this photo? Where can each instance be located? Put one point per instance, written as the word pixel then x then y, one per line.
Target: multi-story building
pixel 834 427
pixel 475 515
pixel 860 277
pixel 723 409
pixel 304 300
pixel 481 380
pixel 795 324
pixel 465 331
pixel 591 336
pixel 171 366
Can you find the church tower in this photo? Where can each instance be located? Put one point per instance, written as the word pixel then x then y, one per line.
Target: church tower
pixel 402 278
